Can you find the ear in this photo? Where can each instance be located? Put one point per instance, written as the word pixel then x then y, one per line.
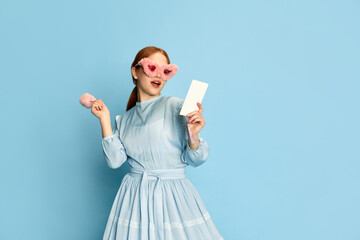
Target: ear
pixel 133 72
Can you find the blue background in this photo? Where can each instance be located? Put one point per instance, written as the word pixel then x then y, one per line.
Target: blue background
pixel 281 111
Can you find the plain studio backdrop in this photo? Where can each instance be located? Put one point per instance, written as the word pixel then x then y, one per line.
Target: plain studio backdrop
pixel 281 111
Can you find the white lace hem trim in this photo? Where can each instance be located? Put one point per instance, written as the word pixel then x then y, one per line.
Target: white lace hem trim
pixel 167 225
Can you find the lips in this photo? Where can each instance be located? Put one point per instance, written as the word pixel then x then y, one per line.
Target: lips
pixel 156 84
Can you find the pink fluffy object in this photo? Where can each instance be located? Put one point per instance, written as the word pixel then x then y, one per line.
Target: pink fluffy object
pixel 87 100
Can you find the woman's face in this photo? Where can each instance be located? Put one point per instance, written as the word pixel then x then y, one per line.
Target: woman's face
pixel 146 89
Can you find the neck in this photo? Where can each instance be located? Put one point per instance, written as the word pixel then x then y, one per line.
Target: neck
pixel 143 96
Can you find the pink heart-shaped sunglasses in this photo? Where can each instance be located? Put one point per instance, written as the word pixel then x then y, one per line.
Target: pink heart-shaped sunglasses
pixel 152 69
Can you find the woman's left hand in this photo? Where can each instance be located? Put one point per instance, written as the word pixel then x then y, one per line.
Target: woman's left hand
pixel 195 120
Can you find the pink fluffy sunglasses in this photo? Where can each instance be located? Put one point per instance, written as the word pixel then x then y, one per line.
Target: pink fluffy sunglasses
pixel 152 69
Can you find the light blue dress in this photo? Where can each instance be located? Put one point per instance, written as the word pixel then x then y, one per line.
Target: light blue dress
pixel 155 200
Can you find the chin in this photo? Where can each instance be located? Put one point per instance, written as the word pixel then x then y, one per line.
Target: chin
pixel 154 93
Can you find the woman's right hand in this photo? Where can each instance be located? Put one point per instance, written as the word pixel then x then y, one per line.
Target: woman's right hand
pixel 100 110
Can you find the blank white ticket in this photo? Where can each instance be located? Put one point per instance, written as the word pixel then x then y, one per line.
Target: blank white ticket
pixel 195 94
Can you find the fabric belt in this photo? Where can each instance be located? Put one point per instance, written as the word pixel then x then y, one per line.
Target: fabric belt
pixel 157 174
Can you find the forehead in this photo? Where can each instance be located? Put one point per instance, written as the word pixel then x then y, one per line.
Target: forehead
pixel 159 58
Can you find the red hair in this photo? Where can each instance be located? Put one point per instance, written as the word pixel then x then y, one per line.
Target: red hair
pixel 143 53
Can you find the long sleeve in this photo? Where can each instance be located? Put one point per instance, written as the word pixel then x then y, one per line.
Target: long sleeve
pixel 113 149
pixel 198 156
pixel 189 156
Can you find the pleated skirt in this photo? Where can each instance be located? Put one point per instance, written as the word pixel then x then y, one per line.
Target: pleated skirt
pixel 159 204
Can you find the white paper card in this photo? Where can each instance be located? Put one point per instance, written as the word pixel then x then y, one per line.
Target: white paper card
pixel 195 94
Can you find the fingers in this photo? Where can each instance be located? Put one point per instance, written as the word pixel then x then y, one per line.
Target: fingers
pixel 196 118
pixel 98 104
pixel 199 121
pixel 96 107
pixel 201 109
pixel 192 113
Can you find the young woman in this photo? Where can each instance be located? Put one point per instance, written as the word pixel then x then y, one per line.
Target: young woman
pixel 155 199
